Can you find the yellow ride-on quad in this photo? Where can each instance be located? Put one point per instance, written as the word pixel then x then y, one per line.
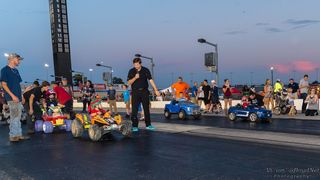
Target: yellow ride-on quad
pixel 99 124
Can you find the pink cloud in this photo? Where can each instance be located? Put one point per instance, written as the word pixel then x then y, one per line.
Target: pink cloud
pixel 298 65
pixel 304 65
pixel 282 68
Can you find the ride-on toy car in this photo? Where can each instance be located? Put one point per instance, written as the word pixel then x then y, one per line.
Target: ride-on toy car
pixel 100 125
pixel 51 120
pixel 251 112
pixel 183 109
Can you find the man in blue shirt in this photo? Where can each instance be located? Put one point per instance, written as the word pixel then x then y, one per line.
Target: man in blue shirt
pixel 10 81
pixel 194 94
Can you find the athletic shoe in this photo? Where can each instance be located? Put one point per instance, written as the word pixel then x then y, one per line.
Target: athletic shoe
pixel 135 129
pixel 14 139
pixel 141 119
pixel 24 137
pixel 151 128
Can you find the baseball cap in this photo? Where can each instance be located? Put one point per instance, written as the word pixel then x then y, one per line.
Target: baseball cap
pixel 14 55
pixel 279 80
pixel 213 81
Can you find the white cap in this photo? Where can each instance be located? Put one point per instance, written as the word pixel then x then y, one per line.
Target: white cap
pixel 213 81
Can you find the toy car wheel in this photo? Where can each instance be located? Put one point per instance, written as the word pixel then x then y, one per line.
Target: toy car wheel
pixel 126 128
pixel 232 116
pixel 95 132
pixel 38 125
pixel 197 117
pixel 167 114
pixel 68 123
pixel 76 128
pixel 182 115
pixel 285 110
pixel 277 111
pixel 253 117
pixel 47 127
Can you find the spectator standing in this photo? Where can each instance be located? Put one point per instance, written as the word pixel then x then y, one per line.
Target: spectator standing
pixel 227 95
pixel 200 94
pixel 278 86
pixel 295 87
pixel 206 91
pixel 304 88
pixel 87 95
pixel 194 92
pixel 268 95
pixel 214 95
pixel 10 81
pixel 126 99
pixel 111 94
pixel 66 86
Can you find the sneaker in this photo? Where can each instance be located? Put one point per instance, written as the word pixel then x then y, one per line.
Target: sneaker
pixel 151 128
pixel 23 137
pixel 14 139
pixel 135 129
pixel 141 119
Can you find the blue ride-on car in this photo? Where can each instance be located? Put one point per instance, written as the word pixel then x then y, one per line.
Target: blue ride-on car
pixel 252 112
pixel 183 109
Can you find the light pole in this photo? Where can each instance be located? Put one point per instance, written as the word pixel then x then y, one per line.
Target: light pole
pixel 294 74
pixel 272 69
pixel 152 63
pixel 191 76
pixel 317 74
pixel 90 70
pixel 216 50
pixel 101 65
pixel 172 76
pixel 251 78
pixel 47 68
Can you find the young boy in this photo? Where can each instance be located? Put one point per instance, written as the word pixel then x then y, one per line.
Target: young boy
pixel 111 93
pixel 126 99
pixel 291 98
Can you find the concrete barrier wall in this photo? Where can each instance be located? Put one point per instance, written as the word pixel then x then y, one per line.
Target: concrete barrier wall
pixel 161 104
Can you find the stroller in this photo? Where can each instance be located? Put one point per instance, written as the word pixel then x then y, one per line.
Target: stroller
pixel 282 105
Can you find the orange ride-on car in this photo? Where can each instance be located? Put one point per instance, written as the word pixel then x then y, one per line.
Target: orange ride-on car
pixel 100 125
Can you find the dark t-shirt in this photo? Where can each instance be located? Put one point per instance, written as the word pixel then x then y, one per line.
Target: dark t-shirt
pixel 294 86
pixel 214 94
pixel 13 79
pixel 206 90
pixel 142 82
pixel 111 94
pixel 37 95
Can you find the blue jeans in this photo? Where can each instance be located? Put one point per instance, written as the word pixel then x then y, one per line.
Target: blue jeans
pixel 15 117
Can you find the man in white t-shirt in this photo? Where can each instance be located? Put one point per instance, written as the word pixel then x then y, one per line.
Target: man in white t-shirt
pixel 304 88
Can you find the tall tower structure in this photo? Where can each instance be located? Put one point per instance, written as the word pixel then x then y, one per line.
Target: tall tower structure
pixel 60 39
